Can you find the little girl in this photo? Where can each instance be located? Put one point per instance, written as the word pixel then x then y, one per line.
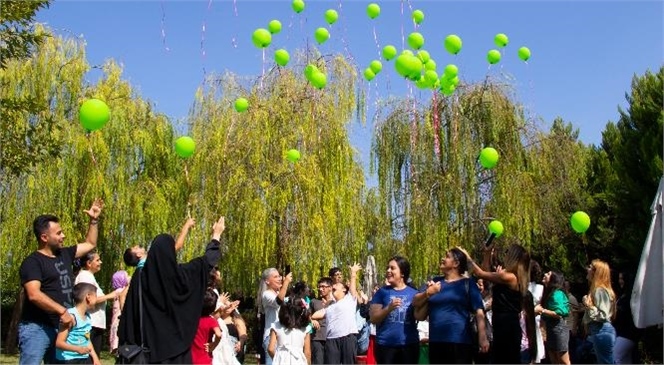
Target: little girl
pixel 201 348
pixel 119 281
pixel 289 340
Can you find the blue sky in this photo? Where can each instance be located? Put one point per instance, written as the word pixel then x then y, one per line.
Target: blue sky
pixel 584 53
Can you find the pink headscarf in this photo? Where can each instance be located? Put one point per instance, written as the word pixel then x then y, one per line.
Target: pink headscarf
pixel 120 279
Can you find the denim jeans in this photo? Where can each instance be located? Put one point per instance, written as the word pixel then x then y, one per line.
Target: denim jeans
pixel 604 338
pixel 36 342
pixel 268 359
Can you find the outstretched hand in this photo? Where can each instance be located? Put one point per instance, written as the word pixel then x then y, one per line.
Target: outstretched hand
pixel 355 268
pixel 95 209
pixel 218 228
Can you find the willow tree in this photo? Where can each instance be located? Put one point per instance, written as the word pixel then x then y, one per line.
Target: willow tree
pixel 435 193
pixel 306 214
pixel 129 163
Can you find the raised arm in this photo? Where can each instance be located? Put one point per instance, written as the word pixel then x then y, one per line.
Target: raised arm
pixel 281 296
pixel 498 277
pixel 353 280
pixel 179 243
pixel 93 231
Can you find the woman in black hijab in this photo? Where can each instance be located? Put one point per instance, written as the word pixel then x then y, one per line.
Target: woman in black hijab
pixel 172 300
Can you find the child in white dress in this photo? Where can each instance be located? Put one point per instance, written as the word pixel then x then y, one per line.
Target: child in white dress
pixel 289 340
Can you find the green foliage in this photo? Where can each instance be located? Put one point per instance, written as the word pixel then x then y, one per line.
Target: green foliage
pixel 633 147
pixel 18 37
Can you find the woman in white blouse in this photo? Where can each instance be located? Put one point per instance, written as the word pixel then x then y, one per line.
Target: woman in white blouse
pixel 89 265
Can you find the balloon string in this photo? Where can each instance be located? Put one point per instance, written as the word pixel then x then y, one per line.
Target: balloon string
pixel 403 38
pixel 163 27
pixel 343 35
pixel 234 39
pixel 263 72
pixel 376 40
pixel 186 175
pixel 94 159
pixel 436 126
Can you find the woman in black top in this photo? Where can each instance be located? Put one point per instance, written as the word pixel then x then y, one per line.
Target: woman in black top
pixel 510 285
pixel 627 335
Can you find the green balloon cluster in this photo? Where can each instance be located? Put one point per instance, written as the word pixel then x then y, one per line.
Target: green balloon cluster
pixel 281 57
pixel 389 52
pixel 298 6
pixel 331 16
pixel 94 114
pixel 185 146
pixel 415 40
pixel 418 16
pixel 524 53
pixel 241 105
pixel 274 26
pixel 496 228
pixel 501 40
pixel 374 68
pixel 409 66
pixel 373 10
pixel 261 38
pixel 321 34
pixel 315 76
pixel 493 56
pixel 489 157
pixel 449 80
pixel 453 44
pixel 580 222
pixel 293 155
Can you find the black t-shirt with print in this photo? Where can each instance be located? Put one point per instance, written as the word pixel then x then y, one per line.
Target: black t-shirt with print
pixel 57 282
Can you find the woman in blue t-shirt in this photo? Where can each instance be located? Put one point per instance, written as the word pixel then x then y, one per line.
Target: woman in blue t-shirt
pixel 450 303
pixel 397 340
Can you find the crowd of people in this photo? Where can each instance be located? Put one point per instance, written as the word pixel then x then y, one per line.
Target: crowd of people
pixel 503 309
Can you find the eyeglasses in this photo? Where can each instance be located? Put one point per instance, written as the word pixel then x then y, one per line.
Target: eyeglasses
pixel 323 286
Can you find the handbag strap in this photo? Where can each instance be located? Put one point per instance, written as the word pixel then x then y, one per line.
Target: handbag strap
pixel 140 306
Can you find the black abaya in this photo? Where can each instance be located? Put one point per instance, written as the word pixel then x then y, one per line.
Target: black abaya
pixel 172 300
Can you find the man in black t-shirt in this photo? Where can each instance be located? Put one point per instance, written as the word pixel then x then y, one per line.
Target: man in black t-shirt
pixel 46 276
pixel 318 340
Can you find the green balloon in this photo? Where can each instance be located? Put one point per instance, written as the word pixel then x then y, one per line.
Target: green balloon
pixel 580 222
pixel 373 10
pixel 496 228
pixel 414 67
pixel 493 56
pixel 298 5
pixel 401 64
pixel 369 74
pixel 185 146
pixel 376 66
pixel 261 38
pixel 319 80
pixel 500 40
pixel 321 35
pixel 407 52
pixel 424 56
pixel 293 155
pixel 415 40
pixel 451 71
pixel 422 83
pixel 524 53
pixel 274 26
pixel 418 16
pixel 448 90
pixel 431 77
pixel 331 16
pixel 454 81
pixel 94 114
pixel 489 157
pixel 453 43
pixel 430 65
pixel 241 104
pixel 309 71
pixel 389 52
pixel 281 57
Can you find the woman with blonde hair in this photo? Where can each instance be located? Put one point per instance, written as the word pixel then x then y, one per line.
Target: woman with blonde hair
pixel 510 297
pixel 599 309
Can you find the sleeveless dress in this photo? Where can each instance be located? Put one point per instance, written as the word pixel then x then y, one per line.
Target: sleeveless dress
pixel 290 345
